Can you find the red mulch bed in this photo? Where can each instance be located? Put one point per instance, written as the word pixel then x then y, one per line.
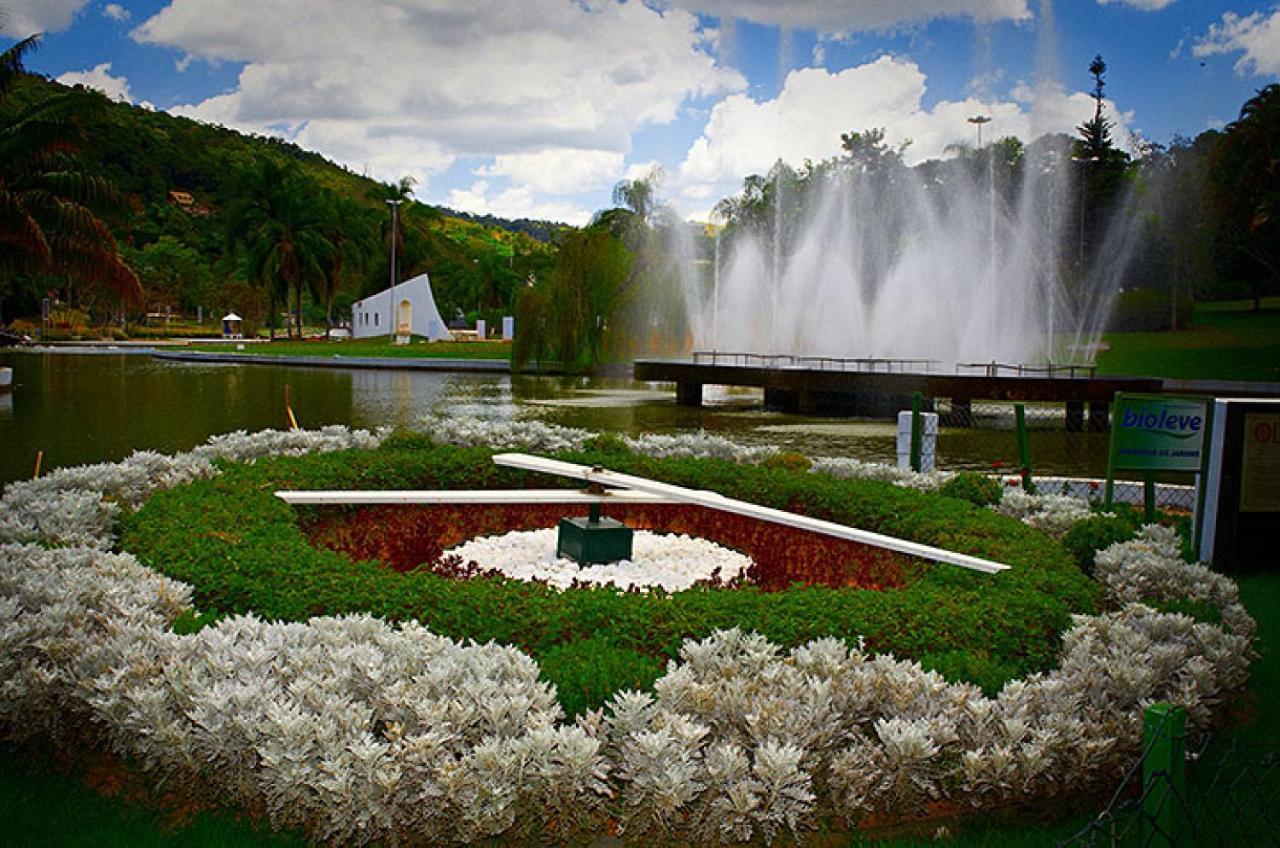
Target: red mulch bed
pixel 406 536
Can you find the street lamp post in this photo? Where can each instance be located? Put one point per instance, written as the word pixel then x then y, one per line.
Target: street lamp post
pixel 395 206
pixel 1085 161
pixel 978 121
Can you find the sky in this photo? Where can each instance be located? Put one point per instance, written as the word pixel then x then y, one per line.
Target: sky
pixel 537 108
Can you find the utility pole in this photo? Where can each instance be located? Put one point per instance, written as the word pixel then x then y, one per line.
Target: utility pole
pixel 395 231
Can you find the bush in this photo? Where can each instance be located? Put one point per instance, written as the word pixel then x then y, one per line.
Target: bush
pixel 194 532
pixel 977 489
pixel 609 443
pixel 587 672
pixel 1087 537
pixel 790 461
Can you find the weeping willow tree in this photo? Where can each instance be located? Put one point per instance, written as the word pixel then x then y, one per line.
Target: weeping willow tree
pixel 567 317
pixel 652 316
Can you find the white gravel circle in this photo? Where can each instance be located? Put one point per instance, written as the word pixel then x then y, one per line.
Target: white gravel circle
pixel 672 563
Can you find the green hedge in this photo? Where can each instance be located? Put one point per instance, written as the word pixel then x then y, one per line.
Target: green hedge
pixel 242 550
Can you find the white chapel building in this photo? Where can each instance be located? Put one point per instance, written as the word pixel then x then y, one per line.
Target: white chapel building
pixel 415 312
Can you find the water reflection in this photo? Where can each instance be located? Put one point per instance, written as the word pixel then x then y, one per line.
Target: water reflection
pixel 82 409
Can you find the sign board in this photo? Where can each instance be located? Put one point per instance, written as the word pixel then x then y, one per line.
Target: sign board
pixel 1260 465
pixel 1242 491
pixel 1158 432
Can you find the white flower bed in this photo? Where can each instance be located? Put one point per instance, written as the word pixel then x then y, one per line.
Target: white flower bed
pixel 1054 514
pixel 855 469
pixel 659 560
pixel 359 732
pixel 525 435
pixel 552 438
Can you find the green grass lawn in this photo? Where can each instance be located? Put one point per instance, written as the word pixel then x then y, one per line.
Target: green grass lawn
pixel 380 346
pixel 40 806
pixel 1227 341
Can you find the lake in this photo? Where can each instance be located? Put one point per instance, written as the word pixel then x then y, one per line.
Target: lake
pixel 94 407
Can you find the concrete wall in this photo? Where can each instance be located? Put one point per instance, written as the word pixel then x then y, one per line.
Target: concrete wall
pixel 373 315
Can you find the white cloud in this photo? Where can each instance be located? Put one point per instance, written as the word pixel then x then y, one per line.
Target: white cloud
pixel 805 121
pixel 115 12
pixel 850 15
pixel 1257 36
pixel 21 18
pixel 558 170
pixel 1144 5
pixel 501 78
pixel 516 202
pixel 406 87
pixel 100 79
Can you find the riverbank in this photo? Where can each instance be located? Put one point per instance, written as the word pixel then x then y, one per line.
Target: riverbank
pixel 405 363
pixel 380 347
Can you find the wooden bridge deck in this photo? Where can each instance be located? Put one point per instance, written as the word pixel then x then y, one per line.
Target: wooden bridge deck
pixel 807 388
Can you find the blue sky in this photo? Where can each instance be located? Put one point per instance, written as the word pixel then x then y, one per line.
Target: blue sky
pixel 538 107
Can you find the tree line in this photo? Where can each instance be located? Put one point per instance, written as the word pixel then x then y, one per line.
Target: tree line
pixel 121 212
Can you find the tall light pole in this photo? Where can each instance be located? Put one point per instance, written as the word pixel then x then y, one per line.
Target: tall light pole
pixel 978 121
pixel 1084 162
pixel 395 205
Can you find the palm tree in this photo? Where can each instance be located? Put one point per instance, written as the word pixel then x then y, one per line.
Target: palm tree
pixel 399 193
pixel 348 228
pixel 275 223
pixel 49 206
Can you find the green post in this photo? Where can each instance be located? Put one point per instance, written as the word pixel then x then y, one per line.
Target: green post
pixel 1164 784
pixel 1024 447
pixel 1149 497
pixel 1110 490
pixel 917 400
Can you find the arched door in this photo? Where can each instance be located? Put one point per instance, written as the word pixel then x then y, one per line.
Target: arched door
pixel 404 318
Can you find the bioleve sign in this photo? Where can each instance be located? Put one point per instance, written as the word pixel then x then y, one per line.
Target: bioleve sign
pixel 1155 433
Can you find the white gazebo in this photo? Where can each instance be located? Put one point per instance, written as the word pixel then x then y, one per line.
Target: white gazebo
pixel 231 326
pixel 415 312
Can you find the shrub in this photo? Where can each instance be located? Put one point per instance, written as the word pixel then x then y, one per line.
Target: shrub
pixel 790 461
pixel 607 443
pixel 1093 534
pixel 977 489
pixel 588 672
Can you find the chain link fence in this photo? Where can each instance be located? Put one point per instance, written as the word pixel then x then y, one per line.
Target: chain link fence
pixel 1175 492
pixel 1219 793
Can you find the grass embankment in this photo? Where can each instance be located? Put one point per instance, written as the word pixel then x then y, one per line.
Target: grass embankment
pixel 375 347
pixel 1226 341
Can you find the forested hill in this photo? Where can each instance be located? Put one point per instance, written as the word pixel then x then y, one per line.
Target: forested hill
pixel 182 179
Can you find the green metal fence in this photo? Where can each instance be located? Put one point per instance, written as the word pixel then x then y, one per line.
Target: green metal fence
pixel 1223 793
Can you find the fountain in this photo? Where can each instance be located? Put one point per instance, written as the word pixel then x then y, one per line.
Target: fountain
pixel 968 260
pixel 964 278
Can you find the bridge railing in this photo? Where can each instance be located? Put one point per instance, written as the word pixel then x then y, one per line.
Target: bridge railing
pixel 870 364
pixel 1003 369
